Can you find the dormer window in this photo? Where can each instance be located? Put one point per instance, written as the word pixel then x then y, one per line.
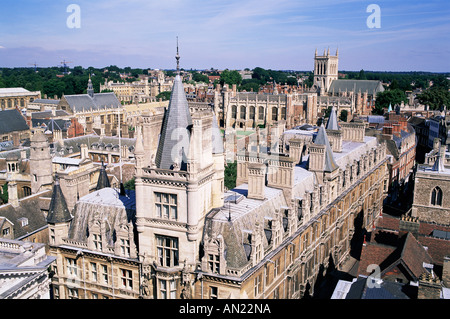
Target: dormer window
pixel 23 221
pixel 125 247
pixel 97 240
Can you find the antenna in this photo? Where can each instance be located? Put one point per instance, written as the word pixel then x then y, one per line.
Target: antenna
pixel 177 57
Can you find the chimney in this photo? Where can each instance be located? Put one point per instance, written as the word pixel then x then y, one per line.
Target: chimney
pixel 256 180
pixel 13 198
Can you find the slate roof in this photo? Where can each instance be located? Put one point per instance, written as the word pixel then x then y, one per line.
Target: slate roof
pixel 177 122
pixel 385 290
pixel 105 205
pixel 58 211
pixel 12 121
pixel 332 123
pixel 84 102
pixel 30 208
pixel 103 180
pixel 322 139
pixel 369 86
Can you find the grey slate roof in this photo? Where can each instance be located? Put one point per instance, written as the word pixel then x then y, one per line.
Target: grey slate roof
pixel 103 180
pixel 332 123
pixel 368 86
pixel 385 290
pixel 175 129
pixel 11 121
pixel 58 211
pixel 30 208
pixel 322 139
pixel 84 102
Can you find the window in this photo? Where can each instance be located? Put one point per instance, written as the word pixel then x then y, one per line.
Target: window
pixel 6 231
pixel 166 205
pixel 125 247
pixel 261 113
pixel 243 112
pixel 214 263
pixel 168 289
pixel 276 269
pixel 73 293
pixel 94 272
pixel 213 292
pixel 55 292
pixel 105 274
pixel 300 210
pixel 127 278
pixel 257 284
pixel 97 241
pixel 23 221
pixel 52 236
pixel 436 196
pixel 72 269
pixel 167 249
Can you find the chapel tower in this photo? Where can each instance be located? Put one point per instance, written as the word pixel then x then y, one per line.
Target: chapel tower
pixel 325 70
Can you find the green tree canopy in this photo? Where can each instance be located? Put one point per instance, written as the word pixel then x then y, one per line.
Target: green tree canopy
pixel 230 77
pixel 435 98
pixel 387 97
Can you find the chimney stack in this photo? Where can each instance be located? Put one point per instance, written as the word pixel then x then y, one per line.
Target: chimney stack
pixel 256 180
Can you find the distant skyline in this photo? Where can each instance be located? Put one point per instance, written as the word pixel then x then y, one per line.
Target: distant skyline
pixel 279 35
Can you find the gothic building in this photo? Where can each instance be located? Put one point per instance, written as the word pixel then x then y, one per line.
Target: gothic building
pixel 295 210
pixel 246 110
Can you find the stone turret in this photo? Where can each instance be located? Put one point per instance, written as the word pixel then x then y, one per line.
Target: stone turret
pixel 40 163
pixel 59 216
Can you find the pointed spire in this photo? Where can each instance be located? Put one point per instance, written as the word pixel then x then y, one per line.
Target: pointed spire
pixel 103 180
pixel 328 52
pixel 322 139
pixel 175 129
pixel 58 211
pixel 337 51
pixel 332 123
pixel 90 88
pixel 315 54
pixel 177 57
pixel 390 108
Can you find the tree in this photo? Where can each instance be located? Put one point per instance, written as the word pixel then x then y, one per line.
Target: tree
pixel 129 184
pixel 198 77
pixel 230 77
pixel 385 98
pixel 435 98
pixel 165 96
pixel 343 116
pixel 362 75
pixel 230 175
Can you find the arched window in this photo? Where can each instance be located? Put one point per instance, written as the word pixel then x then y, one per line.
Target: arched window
pixel 436 196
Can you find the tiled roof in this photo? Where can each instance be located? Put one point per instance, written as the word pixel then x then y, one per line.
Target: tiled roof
pixel 11 121
pixel 30 208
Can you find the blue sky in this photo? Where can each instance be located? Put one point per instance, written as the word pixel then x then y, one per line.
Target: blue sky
pixel 235 34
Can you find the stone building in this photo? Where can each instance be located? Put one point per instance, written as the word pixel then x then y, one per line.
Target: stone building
pixel 246 110
pixel 270 237
pixel 24 270
pixel 11 98
pixel 95 247
pixel 431 201
pixel 292 215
